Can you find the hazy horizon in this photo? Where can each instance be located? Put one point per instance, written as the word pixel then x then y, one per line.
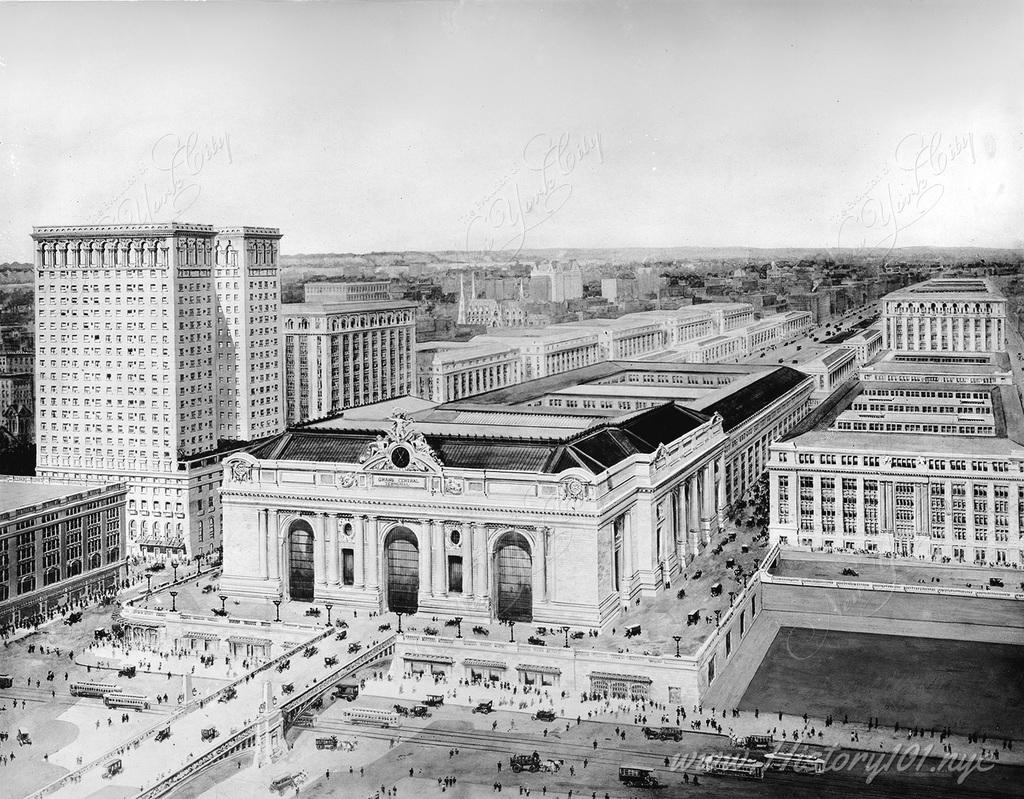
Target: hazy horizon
pixel 425 127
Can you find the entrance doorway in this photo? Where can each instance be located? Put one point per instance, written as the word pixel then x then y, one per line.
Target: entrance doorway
pixel 513 570
pixel 402 561
pixel 300 561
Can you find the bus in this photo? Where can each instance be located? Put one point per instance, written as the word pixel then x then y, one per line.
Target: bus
pixel 793 761
pixel 370 715
pixel 118 699
pixel 94 689
pixel 733 766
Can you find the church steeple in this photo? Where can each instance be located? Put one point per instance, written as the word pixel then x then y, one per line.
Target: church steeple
pixel 461 318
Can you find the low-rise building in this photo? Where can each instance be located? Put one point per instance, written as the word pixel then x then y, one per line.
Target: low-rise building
pixel 451 370
pixel 830 370
pixel 60 543
pixel 347 291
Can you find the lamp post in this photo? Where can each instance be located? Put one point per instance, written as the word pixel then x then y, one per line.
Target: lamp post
pixel 328 605
pixel 566 631
pixel 458 626
pixel 223 599
pixel 718 616
pixel 174 607
pixel 677 638
pixel 277 608
pixel 399 622
pixel 149 583
pixel 511 631
pixel 174 566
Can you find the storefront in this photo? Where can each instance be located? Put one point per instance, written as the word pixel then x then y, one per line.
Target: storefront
pixel 421 664
pixel 537 675
pixel 609 685
pixel 478 670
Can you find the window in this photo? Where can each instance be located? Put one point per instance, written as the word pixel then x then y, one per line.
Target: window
pixel 347 567
pixel 455 574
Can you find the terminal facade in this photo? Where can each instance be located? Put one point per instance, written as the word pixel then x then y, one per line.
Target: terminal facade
pixel 503 506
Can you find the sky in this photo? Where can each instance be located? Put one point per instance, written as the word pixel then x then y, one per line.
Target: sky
pixel 357 127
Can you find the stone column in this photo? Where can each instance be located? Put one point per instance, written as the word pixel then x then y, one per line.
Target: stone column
pixel 860 506
pixel 331 522
pixel 373 567
pixel 262 543
pixel 693 502
pixel 439 580
pixel 320 553
pixel 708 501
pixel 681 527
pixel 359 555
pixel 541 566
pixel 627 556
pixel 468 565
pixel 481 555
pixel 721 490
pixel 275 546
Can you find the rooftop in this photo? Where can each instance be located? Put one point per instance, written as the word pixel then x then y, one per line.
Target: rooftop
pixel 23 492
pixel 944 288
pixel 328 307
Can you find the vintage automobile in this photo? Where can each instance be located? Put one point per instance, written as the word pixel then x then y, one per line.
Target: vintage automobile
pixel 535 641
pixel 544 715
pixel 113 767
pixel 401 710
pixel 663 733
pixel 638 777
pixel 420 711
pixel 354 647
pixel 716 589
pixel 209 733
pixel 341 636
pixel 229 694
pixel 6 681
pixel 693 618
pixel 347 692
pixel 284 664
pixel 309 651
pixel 24 739
pixel 848 572
pixel 520 763
pixel 697 574
pixel 208 588
pixel 164 734
pixel 127 671
pixel 312 611
pixel 220 611
pixel 287 688
pixel 327 743
pixel 434 700
pixel 73 618
pixel 484 707
pixel 995 582
pixel 331 661
pixel 101 634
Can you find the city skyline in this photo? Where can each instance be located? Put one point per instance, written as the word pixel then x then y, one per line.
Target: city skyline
pixel 448 127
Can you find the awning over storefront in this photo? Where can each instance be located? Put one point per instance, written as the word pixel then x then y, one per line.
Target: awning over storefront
pixel 607 675
pixel 248 640
pixel 538 669
pixel 484 664
pixel 424 658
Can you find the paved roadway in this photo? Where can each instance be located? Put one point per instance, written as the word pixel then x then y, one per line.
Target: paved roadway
pixel 150 760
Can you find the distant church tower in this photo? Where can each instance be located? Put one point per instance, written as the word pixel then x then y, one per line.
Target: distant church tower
pixel 461 319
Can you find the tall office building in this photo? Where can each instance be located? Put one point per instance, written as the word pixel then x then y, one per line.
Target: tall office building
pixel 142 331
pixel 945 315
pixel 341 354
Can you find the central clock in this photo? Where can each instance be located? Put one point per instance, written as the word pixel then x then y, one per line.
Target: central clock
pixel 400 457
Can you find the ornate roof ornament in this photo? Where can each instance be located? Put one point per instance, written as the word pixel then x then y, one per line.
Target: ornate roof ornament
pixel 402 449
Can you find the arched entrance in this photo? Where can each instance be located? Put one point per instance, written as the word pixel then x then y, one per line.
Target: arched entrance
pixel 300 561
pixel 513 577
pixel 402 575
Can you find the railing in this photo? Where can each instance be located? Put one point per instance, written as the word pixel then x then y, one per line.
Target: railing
pixel 899 588
pixel 295 706
pixel 163 615
pixel 240 740
pixel 188 707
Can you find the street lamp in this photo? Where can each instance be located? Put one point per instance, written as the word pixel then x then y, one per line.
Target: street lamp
pixel 511 631
pixel 223 599
pixel 174 607
pixel 399 621
pixel 718 616
pixel 149 583
pixel 677 638
pixel 566 631
pixel 328 605
pixel 458 626
pixel 277 608
pixel 175 567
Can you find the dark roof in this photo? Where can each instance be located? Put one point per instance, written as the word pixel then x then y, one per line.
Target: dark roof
pixel 822 416
pixel 743 403
pixel 594 449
